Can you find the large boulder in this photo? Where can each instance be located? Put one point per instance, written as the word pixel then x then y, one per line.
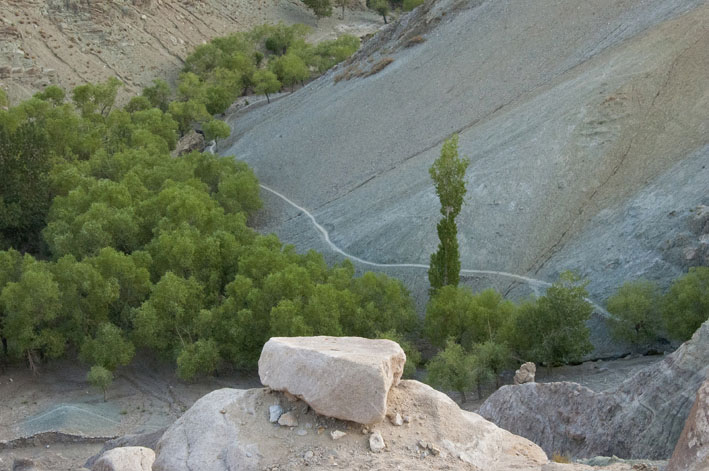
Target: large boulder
pixel 343 377
pixel 131 458
pixel 642 418
pixel 147 440
pixel 230 429
pixel 692 450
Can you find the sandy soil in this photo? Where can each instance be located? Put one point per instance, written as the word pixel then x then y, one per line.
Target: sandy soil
pixel 147 396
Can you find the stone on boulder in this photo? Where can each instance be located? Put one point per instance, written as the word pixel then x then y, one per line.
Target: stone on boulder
pixel 692 450
pixel 347 378
pixel 641 418
pixel 525 373
pixel 131 458
pixel 147 440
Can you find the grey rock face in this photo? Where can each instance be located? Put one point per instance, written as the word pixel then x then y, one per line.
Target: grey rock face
pixel 147 440
pixel 343 377
pixel 192 141
pixel 577 158
pixel 642 418
pixel 692 450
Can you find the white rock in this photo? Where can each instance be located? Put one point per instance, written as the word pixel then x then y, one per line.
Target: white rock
pixel 376 442
pixel 397 420
pixel 131 458
pixel 274 413
pixel 343 377
pixel 337 434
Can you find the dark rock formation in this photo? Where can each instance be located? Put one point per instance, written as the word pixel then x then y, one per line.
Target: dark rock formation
pixel 642 418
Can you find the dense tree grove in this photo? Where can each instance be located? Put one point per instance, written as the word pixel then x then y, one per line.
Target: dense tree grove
pixel 129 247
pixel 261 61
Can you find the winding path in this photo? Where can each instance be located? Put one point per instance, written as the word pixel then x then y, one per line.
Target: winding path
pixel 466 271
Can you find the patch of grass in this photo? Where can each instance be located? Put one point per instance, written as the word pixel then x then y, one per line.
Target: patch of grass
pixel 557 457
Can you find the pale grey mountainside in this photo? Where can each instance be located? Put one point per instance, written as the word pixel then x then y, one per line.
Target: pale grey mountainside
pixel 641 418
pixel 585 123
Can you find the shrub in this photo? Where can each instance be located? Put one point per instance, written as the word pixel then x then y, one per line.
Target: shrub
pixel 100 378
pixel 685 306
pixel 453 369
pixel 409 5
pixel 636 310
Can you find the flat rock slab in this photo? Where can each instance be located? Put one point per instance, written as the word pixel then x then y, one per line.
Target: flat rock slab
pixel 347 378
pixel 131 458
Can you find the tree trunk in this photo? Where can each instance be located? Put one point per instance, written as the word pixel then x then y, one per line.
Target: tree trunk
pixel 462 394
pixel 480 391
pixel 385 19
pixel 4 345
pixel 267 98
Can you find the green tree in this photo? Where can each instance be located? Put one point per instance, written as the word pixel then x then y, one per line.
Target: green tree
pixel 100 378
pixel 31 308
pixel 290 69
pixel 409 5
pixel 452 369
pixel 187 112
pixel 413 355
pixel 321 8
pixel 215 130
pixel 381 7
pixel 109 349
pixel 448 174
pixel 266 82
pixel 201 357
pixel 158 94
pixel 685 306
pixel 492 358
pixel 636 312
pixel 552 330
pixel 97 98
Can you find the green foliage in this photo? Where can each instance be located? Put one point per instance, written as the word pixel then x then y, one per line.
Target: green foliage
pixel 456 313
pixel 453 369
pixel 685 306
pixel 321 8
pixel 216 129
pixel 96 98
pixel 381 7
pixel 636 310
pixel 266 82
pixel 100 378
pixel 158 95
pixel 290 69
pixel 409 5
pixel 109 349
pixel 448 174
pixel 492 358
pixel 552 329
pixel 201 357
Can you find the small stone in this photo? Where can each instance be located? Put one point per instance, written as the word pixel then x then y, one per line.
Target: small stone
pixel 143 17
pixel 337 434
pixel 397 420
pixel 301 432
pixel 274 413
pixel 407 419
pixel 525 373
pixel 376 442
pixel 288 420
pixel 309 455
pixel 289 396
pixel 223 411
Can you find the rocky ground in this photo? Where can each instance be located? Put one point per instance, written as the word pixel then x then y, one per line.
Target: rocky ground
pixel 152 397
pixel 70 42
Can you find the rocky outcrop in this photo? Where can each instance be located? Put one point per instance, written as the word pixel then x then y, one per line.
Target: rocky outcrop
pixel 192 141
pixel 642 418
pixel 692 450
pixel 343 377
pixel 230 429
pixel 133 458
pixel 525 373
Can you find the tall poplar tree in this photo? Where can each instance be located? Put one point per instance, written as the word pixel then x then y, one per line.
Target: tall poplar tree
pixel 448 174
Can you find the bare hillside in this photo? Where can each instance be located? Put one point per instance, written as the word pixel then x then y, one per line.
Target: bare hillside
pixel 586 124
pixel 70 42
